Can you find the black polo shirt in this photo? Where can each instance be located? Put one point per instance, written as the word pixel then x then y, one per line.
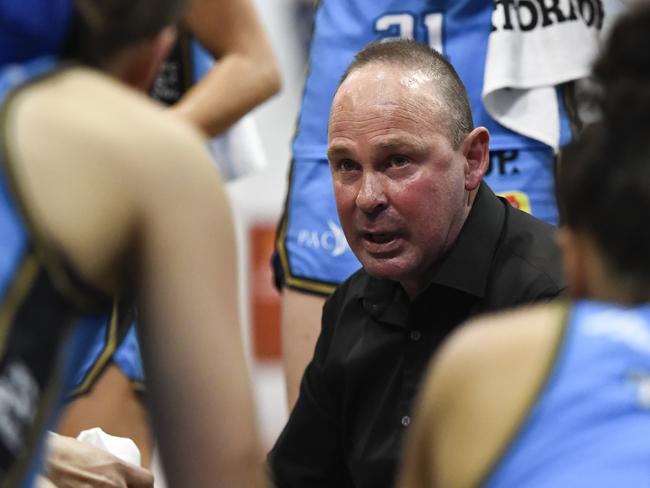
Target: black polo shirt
pixel 356 395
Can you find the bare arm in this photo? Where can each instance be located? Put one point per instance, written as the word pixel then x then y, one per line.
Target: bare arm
pixel 301 323
pixel 246 73
pixel 192 347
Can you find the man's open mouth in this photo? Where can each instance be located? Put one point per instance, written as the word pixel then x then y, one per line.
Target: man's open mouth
pixel 379 237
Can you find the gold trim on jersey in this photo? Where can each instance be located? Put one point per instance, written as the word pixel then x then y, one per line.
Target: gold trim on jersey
pixel 291 281
pixel 301 284
pixel 16 294
pixel 105 355
pixel 83 295
pixel 540 388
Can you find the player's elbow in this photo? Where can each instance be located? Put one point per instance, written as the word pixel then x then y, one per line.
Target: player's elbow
pixel 268 74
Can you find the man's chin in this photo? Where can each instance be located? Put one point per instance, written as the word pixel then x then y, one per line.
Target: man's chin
pixel 386 268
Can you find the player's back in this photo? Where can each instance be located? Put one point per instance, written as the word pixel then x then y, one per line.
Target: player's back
pixel 554 395
pixel 81 136
pixel 590 424
pixel 78 150
pixel 44 305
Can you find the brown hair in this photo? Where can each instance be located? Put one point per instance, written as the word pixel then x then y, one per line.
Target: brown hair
pixel 603 182
pixel 411 54
pixel 103 27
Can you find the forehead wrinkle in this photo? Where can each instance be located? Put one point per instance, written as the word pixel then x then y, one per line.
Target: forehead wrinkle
pixel 385 117
pixel 396 143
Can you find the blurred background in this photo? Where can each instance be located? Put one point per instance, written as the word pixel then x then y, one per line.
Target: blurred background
pixel 257 201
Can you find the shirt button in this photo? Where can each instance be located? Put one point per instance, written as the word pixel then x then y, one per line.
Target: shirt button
pixel 374 307
pixel 416 335
pixel 406 420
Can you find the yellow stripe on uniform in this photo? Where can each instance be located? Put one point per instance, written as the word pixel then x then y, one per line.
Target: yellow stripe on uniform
pixel 19 289
pixel 104 356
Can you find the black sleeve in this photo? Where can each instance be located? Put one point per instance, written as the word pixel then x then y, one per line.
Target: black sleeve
pixel 308 452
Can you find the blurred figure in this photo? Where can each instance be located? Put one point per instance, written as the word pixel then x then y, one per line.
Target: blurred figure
pixel 557 395
pixel 512 58
pixel 245 74
pixel 111 383
pixel 104 195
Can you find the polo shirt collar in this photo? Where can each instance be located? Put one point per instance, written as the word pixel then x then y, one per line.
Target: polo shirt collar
pixel 385 300
pixel 466 267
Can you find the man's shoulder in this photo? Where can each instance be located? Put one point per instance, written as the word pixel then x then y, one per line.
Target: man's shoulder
pixel 528 260
pixel 529 237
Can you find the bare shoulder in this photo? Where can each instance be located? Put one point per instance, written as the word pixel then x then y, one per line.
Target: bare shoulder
pixel 495 350
pixel 490 345
pixel 92 131
pixel 500 336
pixel 481 386
pixel 93 159
pixel 102 115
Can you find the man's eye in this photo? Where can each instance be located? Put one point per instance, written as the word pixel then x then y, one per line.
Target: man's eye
pixel 399 161
pixel 346 165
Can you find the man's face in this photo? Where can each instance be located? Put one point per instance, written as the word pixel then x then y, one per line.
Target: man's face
pixel 399 184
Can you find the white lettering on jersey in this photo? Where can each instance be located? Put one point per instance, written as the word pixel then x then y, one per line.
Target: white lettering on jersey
pixel 332 240
pixel 18 403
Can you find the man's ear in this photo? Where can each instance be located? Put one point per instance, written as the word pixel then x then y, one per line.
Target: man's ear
pixel 476 150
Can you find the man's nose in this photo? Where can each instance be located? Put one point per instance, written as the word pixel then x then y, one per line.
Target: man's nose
pixel 371 196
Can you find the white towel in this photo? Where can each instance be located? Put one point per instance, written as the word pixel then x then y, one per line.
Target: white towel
pixel 530 51
pixel 239 151
pixel 121 447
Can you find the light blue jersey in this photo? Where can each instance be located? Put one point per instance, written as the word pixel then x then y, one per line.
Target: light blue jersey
pixel 458 29
pixel 47 315
pixel 187 64
pixel 590 425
